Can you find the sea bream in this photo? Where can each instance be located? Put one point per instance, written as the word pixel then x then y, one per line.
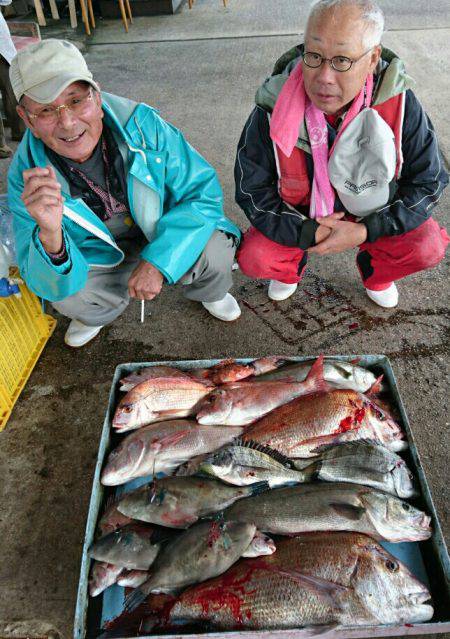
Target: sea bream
pixel 178 502
pixel 314 581
pixel 244 462
pixel 338 373
pixel 332 507
pixel 149 372
pixel 158 399
pixel 102 576
pixel 301 427
pixel 244 402
pixel 161 447
pixel 231 371
pixel 205 550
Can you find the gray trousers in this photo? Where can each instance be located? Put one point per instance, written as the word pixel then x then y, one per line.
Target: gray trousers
pixel 105 295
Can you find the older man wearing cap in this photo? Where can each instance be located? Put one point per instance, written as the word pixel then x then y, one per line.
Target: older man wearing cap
pixel 338 153
pixel 109 200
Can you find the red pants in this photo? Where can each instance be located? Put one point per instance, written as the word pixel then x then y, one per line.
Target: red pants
pixel 379 263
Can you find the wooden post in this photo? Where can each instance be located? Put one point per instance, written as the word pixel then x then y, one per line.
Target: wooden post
pixel 54 10
pixel 91 12
pixel 73 14
pixel 124 15
pixel 130 16
pixel 85 17
pixel 39 13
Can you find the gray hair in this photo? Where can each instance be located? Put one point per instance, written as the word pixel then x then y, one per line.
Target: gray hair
pixel 371 13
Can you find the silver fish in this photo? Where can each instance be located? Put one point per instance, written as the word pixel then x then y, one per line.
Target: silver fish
pixel 201 552
pixel 332 507
pixel 338 373
pixel 134 547
pixel 178 502
pixel 162 447
pixel 361 462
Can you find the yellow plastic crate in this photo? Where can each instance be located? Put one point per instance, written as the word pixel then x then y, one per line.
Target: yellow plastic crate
pixel 24 331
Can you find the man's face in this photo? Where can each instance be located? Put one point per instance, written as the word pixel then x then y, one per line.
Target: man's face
pixel 72 135
pixel 337 31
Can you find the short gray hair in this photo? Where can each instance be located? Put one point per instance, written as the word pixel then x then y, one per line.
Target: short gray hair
pixel 371 13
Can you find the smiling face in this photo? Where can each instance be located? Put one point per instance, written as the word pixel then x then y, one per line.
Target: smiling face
pixel 72 136
pixel 338 31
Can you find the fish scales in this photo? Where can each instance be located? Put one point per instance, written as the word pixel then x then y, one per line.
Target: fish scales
pixel 333 506
pixel 334 573
pixel 300 427
pixel 161 447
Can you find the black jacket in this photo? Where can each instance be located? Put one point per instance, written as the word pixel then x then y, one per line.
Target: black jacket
pixel 420 186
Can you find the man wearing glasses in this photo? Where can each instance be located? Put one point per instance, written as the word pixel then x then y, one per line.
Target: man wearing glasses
pixel 109 201
pixel 338 153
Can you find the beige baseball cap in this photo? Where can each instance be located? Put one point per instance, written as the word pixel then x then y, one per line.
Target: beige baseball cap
pixel 43 70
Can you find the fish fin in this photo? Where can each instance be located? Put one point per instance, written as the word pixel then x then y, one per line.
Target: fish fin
pixel 348 511
pixel 375 389
pixel 316 377
pixel 322 629
pixel 258 487
pixel 324 587
pixel 171 439
pixel 267 450
pixel 166 413
pixel 134 599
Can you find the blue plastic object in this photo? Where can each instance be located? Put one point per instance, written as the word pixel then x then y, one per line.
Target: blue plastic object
pixel 7 289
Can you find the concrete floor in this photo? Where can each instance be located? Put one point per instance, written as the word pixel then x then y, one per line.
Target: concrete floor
pixel 201 69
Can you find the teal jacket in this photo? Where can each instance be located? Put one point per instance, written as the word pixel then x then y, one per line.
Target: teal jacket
pixel 174 197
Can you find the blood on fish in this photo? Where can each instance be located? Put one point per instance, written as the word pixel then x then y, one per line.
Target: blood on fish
pixel 345 425
pixel 359 415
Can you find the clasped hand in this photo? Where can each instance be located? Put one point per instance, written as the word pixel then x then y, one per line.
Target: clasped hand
pixel 335 235
pixel 145 281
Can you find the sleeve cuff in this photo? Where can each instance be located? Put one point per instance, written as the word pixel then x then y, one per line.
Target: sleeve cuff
pixel 308 234
pixel 374 226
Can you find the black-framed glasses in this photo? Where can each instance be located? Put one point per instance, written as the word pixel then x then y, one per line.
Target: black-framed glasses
pixel 338 62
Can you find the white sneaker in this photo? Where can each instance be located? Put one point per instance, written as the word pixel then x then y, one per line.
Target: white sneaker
pixel 387 298
pixel 280 291
pixel 226 309
pixel 78 334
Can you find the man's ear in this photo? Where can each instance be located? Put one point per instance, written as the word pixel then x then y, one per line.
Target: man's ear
pixel 23 115
pixel 375 57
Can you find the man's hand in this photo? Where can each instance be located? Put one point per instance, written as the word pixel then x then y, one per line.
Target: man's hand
pixel 43 201
pixel 322 232
pixel 343 235
pixel 145 281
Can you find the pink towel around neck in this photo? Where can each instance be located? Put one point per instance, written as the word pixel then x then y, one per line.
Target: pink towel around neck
pixel 292 105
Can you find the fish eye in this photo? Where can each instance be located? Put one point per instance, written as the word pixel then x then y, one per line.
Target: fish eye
pixel 406 506
pixel 392 566
pixel 127 409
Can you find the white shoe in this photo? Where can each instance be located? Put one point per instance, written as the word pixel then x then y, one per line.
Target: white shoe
pixel 387 298
pixel 226 309
pixel 78 334
pixel 280 291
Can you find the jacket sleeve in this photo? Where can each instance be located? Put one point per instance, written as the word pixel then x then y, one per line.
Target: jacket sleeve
pixel 422 180
pixel 43 277
pixel 256 178
pixel 193 205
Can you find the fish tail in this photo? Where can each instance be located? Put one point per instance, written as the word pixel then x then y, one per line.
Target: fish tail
pixel 134 599
pixel 315 378
pixel 258 487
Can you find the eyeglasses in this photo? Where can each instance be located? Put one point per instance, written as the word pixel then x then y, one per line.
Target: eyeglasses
pixel 338 62
pixel 76 105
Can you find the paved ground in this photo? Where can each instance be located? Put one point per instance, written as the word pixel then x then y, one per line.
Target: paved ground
pixel 201 68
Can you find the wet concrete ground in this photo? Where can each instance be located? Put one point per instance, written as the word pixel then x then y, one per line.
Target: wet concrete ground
pixel 206 87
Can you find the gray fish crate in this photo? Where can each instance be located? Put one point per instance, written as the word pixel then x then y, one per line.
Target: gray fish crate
pixel 429 559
